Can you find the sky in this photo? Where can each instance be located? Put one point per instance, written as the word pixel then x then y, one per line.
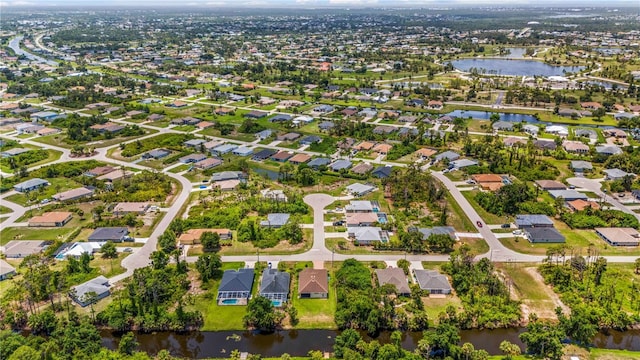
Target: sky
pixel 314 3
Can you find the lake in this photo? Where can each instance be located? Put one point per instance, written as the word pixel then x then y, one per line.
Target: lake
pixel 513 67
pixel 486 115
pixel 198 345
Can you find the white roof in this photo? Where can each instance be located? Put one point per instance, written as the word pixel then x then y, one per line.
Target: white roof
pixel 80 248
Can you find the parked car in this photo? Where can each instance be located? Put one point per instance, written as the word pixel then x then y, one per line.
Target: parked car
pixel 338 223
pixel 505 226
pixel 127 250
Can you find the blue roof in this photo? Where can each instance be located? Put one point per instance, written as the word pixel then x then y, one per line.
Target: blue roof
pixel 340 164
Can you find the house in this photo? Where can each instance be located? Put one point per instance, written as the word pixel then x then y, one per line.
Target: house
pixel 436 230
pixel 194 143
pixel 192 158
pixel 358 189
pixel 586 133
pixel 90 291
pixel 491 182
pixel 462 163
pixel 360 206
pixel 616 174
pixel 275 220
pixel 44 116
pixel 226 185
pixel 98 171
pixel 326 125
pixel 545 144
pixel 255 114
pixel 156 154
pixel 323 109
pixel 382 172
pixel 208 163
pixel 531 221
pixel 30 185
pixel 107 127
pixel 292 136
pixel 263 154
pixel 6 271
pixel 177 104
pixel 114 234
pixel 115 175
pixel 14 152
pixel 432 281
pixel 449 155
pixel 567 195
pixel 608 150
pixel 425 153
pixel 311 139
pixel 550 185
pixel 340 164
pixel 384 129
pixel 581 166
pixel 280 118
pixel 224 149
pixel 264 134
pixel 395 277
pixel 227 175
pixel 274 285
pixel 382 149
pixel 282 156
pixel 531 129
pixel 619 236
pixel 617 133
pixel 362 168
pixel 362 219
pixel 313 284
pixel 408 119
pixel 435 104
pixel 223 111
pixel 275 195
pixel 580 204
pixel 48 131
pixel 300 159
pixel 242 151
pixel 538 235
pixel 557 130
pixel 124 208
pixel 591 105
pixel 364 145
pixel 502 126
pixel 17 249
pixel 77 249
pixel 192 236
pixel 575 147
pixel 74 194
pixel 51 219
pixel 317 162
pixel 235 287
pixel 367 235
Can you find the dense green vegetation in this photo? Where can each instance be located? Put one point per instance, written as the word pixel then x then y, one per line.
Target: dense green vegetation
pixel 487 301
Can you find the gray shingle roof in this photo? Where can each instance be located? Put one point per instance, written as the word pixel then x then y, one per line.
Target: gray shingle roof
pixel 241 280
pixel 108 233
pixel 274 281
pixel 431 279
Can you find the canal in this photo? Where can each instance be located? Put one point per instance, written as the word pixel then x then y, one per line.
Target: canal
pixel 198 345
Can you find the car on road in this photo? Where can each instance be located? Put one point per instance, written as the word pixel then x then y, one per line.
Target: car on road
pixel 479 223
pixel 45 201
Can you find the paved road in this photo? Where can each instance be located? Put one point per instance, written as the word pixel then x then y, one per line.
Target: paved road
pixel 595 186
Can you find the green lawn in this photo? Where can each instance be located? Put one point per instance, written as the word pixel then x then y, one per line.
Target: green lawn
pixel 457 218
pixel 5 210
pixel 434 306
pixel 485 215
pixel 57 185
pixel 179 168
pixel 313 313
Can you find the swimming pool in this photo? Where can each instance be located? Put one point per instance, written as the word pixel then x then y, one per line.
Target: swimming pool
pixel 276 303
pixel 229 301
